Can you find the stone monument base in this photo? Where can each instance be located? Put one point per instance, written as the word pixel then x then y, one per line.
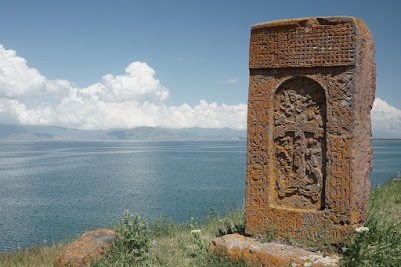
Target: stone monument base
pixel 237 247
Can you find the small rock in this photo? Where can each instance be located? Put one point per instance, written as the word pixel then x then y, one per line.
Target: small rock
pixel 86 249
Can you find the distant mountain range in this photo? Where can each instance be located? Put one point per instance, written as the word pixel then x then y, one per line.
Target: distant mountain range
pixel 30 132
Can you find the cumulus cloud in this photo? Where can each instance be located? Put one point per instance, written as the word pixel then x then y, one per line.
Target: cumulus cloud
pixel 19 81
pixel 135 98
pixel 386 120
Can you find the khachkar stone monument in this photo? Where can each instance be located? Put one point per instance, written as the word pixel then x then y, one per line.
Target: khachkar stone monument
pixel 312 86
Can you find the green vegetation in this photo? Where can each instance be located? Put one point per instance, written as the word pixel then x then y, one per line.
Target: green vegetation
pixel 385 201
pixel 38 256
pixel 165 243
pixel 379 242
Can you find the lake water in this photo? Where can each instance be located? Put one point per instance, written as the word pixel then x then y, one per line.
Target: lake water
pixel 50 191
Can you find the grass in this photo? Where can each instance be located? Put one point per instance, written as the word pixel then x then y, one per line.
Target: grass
pixel 385 201
pixel 379 244
pixel 165 243
pixel 38 256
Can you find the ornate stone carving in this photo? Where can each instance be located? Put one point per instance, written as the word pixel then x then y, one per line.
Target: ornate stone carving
pixel 328 44
pixel 311 88
pixel 299 113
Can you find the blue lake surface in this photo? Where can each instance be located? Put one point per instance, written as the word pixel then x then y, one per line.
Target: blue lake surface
pixel 54 190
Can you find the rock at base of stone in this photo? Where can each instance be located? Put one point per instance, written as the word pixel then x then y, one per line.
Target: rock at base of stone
pixel 238 247
pixel 86 249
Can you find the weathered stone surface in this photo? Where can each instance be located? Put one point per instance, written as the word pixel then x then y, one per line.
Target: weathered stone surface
pixel 238 247
pixel 312 86
pixel 86 249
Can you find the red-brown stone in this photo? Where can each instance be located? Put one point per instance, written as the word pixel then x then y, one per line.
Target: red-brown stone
pixel 312 86
pixel 86 249
pixel 238 247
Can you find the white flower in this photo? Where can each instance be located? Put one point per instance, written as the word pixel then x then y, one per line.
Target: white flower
pixel 197 231
pixel 307 264
pixel 362 229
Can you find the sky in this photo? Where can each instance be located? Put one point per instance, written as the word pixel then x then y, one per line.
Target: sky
pixel 121 64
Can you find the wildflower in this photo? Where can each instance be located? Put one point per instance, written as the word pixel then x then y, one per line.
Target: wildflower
pixel 362 229
pixel 307 264
pixel 197 231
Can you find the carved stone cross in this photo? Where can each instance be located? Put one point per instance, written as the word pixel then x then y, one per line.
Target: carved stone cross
pixel 298 127
pixel 311 89
pixel 299 171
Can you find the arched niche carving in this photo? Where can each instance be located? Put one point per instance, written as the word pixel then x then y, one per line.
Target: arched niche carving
pixel 299 145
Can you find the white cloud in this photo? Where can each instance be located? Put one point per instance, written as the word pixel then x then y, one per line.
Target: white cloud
pixel 17 80
pixel 230 81
pixel 135 98
pixel 386 120
pixel 207 115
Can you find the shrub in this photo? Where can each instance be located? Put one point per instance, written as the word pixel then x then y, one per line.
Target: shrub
pixel 132 244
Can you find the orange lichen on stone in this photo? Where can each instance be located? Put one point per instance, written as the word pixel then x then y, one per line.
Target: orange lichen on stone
pixel 86 249
pixel 311 89
pixel 237 247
